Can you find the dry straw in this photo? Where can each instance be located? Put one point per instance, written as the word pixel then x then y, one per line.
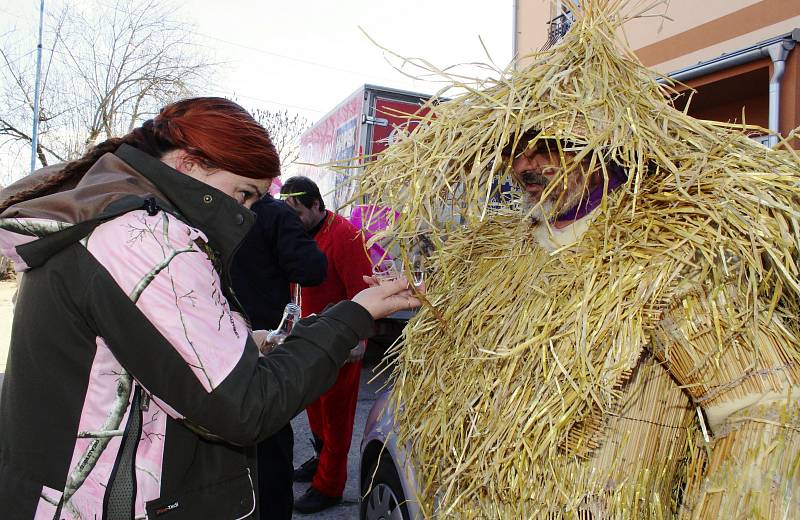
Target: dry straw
pixel 563 384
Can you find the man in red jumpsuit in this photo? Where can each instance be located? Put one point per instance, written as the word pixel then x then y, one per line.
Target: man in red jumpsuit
pixel 331 417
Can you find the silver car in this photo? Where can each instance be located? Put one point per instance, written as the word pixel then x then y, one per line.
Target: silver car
pixel 386 477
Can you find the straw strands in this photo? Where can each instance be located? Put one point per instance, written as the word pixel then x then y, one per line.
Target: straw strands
pixel 562 382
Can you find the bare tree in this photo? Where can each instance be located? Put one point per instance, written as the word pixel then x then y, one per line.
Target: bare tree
pixel 107 69
pixel 17 80
pixel 284 129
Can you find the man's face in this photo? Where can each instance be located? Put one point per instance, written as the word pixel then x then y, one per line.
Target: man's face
pixel 537 170
pixel 310 217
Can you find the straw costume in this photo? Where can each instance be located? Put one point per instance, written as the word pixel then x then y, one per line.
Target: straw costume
pixel 646 366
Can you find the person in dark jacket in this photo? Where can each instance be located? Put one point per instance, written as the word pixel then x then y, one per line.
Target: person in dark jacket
pixel 134 388
pixel 276 252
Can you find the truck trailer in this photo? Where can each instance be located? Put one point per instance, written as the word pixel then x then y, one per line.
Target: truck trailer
pixel 360 127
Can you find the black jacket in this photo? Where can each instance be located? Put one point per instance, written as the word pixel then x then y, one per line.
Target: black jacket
pixel 128 368
pixel 276 252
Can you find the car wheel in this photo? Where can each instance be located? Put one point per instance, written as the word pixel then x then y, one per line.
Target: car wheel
pixel 384 499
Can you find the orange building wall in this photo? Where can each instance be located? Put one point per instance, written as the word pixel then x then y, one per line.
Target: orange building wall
pixel 700 30
pixel 694 34
pixel 532 18
pixel 790 95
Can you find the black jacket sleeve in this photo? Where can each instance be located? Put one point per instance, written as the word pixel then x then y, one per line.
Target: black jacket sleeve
pixel 259 395
pixel 276 252
pixel 297 252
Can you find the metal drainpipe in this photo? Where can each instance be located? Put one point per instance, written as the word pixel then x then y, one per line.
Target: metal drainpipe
pixel 778 52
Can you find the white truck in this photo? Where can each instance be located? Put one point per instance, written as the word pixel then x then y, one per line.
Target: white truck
pixel 352 133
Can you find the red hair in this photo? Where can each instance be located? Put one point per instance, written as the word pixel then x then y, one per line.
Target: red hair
pixel 220 134
pixel 216 132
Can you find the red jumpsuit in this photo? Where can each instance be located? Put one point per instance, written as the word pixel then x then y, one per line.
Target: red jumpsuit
pixel 331 416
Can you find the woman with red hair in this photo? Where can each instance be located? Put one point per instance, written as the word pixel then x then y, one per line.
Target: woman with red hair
pixel 133 386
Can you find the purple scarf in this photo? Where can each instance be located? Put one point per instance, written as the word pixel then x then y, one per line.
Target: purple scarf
pixel 616 178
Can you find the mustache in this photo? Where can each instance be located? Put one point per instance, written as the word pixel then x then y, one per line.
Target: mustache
pixel 532 177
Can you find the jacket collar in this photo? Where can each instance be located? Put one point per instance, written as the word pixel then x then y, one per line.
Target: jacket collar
pixel 223 220
pixel 323 223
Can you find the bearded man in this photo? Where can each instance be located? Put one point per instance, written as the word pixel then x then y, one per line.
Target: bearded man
pixel 633 354
pixel 626 348
pixel 563 195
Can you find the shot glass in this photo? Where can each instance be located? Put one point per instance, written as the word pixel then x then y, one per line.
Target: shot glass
pixel 414 270
pixel 386 271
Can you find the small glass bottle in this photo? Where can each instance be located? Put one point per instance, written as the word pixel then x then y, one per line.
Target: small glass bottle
pixel 291 313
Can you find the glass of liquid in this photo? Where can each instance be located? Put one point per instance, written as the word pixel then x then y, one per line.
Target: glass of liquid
pixel 414 269
pixel 386 271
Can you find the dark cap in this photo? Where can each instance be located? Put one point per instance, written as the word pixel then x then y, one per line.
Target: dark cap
pixel 512 150
pixel 509 150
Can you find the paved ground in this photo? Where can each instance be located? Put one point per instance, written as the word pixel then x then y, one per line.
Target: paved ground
pixel 7 290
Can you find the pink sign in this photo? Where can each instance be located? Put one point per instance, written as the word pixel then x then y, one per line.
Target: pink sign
pixel 372 219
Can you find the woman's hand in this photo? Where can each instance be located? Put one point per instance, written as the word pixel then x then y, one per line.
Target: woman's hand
pixel 260 337
pixel 387 298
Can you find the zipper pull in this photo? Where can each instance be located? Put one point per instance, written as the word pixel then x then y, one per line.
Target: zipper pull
pixel 151 206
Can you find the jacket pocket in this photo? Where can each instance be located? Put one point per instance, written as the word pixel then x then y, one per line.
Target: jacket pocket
pixel 231 498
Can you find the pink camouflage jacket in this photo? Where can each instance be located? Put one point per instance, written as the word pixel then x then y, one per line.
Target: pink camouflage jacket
pixel 133 388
